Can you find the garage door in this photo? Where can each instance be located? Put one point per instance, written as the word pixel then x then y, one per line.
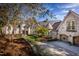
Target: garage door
pixel 76 40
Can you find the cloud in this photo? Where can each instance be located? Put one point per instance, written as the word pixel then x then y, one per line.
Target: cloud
pixel 60 10
pixel 73 9
pixel 60 17
pixel 51 9
pixel 64 11
pixel 69 6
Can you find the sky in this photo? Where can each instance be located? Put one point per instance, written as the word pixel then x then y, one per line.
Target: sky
pixel 61 9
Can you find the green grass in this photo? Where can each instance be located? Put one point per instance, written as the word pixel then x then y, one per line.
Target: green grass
pixel 31 38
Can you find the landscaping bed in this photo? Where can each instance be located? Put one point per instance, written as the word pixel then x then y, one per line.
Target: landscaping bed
pixel 15 47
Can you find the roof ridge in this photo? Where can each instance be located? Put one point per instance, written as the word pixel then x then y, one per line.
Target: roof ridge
pixel 73 12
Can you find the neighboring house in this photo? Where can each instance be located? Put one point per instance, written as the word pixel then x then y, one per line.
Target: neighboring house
pixel 15 30
pixel 54 32
pixel 18 29
pixel 51 26
pixel 33 28
pixel 24 28
pixel 7 29
pixel 47 25
pixel 68 30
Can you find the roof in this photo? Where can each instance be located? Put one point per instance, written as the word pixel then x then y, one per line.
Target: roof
pixel 34 26
pixel 49 26
pixel 55 25
pixel 71 12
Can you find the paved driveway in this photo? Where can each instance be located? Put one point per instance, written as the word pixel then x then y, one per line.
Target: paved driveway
pixel 70 50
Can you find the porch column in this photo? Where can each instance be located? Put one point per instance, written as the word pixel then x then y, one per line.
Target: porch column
pixel 29 31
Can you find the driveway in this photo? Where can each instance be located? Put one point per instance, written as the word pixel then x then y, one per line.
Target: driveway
pixel 70 50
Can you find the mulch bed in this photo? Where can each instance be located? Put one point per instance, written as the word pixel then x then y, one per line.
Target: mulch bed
pixel 15 47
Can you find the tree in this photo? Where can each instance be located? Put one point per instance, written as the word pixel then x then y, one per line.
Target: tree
pixel 45 20
pixel 4 13
pixel 31 21
pixel 38 10
pixel 9 14
pixel 41 30
pixel 12 13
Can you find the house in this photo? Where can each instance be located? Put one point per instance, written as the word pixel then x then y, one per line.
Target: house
pixel 51 26
pixel 68 30
pixel 54 30
pixel 47 25
pixel 25 27
pixel 7 29
pixel 18 29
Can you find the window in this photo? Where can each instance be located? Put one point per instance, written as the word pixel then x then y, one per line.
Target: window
pixel 71 26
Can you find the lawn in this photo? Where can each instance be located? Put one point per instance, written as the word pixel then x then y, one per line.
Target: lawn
pixel 33 38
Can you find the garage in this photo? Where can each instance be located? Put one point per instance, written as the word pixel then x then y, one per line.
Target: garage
pixel 76 40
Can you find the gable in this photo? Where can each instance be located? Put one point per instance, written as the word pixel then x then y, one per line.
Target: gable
pixel 70 16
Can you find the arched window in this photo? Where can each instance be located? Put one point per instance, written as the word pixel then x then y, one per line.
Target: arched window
pixel 71 26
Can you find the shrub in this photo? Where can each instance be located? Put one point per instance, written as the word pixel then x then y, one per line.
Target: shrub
pixel 31 38
pixel 41 31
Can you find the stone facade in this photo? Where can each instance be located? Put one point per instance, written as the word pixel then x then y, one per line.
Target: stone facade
pixel 63 33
